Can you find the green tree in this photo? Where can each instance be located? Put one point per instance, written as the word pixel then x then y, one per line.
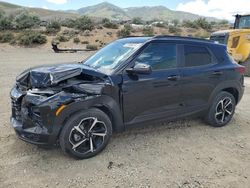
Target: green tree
pixel 26 20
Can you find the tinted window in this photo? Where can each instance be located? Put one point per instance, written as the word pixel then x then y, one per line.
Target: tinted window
pixel 159 56
pixel 196 56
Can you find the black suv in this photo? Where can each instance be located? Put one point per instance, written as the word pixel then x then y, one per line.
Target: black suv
pixel 128 82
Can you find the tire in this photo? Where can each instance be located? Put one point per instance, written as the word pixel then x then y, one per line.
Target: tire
pixel 221 110
pixel 86 134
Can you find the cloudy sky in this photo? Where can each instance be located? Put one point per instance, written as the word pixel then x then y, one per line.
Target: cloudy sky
pixel 215 8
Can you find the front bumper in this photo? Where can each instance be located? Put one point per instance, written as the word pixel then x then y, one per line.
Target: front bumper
pixel 30 135
pixel 33 119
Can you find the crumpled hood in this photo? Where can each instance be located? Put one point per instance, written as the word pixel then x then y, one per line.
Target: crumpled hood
pixel 45 76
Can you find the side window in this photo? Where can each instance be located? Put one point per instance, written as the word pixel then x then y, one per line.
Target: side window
pixel 196 56
pixel 159 56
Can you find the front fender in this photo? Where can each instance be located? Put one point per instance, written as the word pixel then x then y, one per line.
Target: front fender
pixel 94 102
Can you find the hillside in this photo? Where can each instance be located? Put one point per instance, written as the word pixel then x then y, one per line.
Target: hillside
pixel 104 10
pixel 159 13
pixel 111 11
pixel 44 14
pixel 108 10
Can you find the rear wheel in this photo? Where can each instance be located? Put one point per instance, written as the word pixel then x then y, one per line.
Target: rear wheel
pixel 86 134
pixel 221 110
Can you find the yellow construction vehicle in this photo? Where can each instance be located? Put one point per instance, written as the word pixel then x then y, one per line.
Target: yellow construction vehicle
pixel 237 40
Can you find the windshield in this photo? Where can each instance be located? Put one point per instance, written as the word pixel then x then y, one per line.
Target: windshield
pixel 244 22
pixel 111 56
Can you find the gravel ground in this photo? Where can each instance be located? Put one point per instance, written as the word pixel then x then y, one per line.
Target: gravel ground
pixel 186 153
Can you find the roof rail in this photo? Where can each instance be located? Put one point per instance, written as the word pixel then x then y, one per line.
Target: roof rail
pixel 182 37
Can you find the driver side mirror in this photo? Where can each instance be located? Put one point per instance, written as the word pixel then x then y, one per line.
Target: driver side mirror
pixel 140 68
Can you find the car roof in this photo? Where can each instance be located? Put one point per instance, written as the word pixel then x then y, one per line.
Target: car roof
pixel 135 39
pixel 189 40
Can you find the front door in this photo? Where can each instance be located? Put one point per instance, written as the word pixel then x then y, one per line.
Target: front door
pixel 156 95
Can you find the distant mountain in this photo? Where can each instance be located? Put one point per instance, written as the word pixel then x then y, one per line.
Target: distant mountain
pixel 108 10
pixel 44 14
pixel 104 10
pixel 159 13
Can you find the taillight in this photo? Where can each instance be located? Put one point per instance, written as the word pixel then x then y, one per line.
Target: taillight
pixel 241 69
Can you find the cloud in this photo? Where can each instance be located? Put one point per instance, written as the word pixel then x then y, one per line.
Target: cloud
pixel 45 7
pixel 57 1
pixel 222 9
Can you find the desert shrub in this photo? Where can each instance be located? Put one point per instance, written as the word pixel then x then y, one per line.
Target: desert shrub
pixel 203 35
pixel 199 23
pixel 137 20
pixel 109 33
pixel 91 47
pixel 190 24
pixel 223 22
pixel 6 37
pixel 5 23
pixel 160 25
pixel 76 40
pixel 85 42
pixel 111 25
pixel 2 13
pixel 70 23
pixel 123 33
pixel 29 38
pixel 53 27
pixel 70 33
pixel 26 20
pixel 108 24
pixel 175 22
pixel 173 29
pixel 62 38
pixel 84 23
pixel 128 27
pixel 148 31
pixel 99 27
pixel 203 23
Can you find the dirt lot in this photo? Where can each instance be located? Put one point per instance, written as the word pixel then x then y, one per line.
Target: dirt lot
pixel 179 154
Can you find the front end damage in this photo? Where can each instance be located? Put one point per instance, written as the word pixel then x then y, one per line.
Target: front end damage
pixel 41 93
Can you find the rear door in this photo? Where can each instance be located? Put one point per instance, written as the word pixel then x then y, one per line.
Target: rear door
pixel 199 76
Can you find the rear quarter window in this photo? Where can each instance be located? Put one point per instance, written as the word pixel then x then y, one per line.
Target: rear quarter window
pixel 196 56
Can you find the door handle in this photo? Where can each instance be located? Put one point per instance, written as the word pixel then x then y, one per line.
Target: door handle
pixel 217 73
pixel 173 77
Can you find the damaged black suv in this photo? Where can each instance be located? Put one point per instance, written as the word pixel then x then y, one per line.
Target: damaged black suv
pixel 128 82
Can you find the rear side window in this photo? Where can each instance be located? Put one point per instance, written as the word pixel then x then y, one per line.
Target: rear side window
pixel 196 56
pixel 159 56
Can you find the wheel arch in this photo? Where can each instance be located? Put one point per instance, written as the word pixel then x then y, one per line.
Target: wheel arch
pixel 104 103
pixel 231 86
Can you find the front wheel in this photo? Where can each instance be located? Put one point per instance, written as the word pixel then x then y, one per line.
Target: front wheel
pixel 222 110
pixel 86 134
